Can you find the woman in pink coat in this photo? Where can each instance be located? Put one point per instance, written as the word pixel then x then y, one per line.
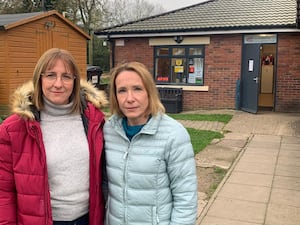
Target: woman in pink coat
pixel 51 148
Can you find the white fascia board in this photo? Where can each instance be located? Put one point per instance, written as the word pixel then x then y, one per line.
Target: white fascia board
pixel 195 33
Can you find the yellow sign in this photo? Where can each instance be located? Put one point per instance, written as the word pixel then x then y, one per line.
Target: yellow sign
pixel 178 62
pixel 178 69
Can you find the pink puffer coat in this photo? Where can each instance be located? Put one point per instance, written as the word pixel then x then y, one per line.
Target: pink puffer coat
pixel 24 188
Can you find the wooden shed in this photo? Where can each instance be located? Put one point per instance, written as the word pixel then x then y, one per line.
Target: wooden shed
pixel 25 37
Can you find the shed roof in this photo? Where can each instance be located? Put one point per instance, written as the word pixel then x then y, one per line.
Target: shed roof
pixel 215 15
pixel 9 21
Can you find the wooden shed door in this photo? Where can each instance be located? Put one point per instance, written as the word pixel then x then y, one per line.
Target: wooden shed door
pixel 51 39
pixel 44 41
pixel 60 40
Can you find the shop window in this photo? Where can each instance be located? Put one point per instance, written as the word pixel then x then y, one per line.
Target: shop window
pixel 162 51
pixel 179 65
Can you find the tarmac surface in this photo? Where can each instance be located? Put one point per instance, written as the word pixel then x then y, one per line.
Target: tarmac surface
pixel 262 185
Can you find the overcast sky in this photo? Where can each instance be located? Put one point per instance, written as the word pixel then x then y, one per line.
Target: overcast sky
pixel 175 4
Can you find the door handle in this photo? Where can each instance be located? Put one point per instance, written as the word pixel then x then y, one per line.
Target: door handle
pixel 255 79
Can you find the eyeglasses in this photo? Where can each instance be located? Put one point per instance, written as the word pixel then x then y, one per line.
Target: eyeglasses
pixel 65 78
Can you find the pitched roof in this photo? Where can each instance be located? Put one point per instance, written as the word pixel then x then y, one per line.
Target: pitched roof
pixel 6 19
pixel 9 21
pixel 214 15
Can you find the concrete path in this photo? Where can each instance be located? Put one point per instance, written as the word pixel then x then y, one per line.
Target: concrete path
pixel 262 186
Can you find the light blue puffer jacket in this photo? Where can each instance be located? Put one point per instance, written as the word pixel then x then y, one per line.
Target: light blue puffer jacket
pixel 152 179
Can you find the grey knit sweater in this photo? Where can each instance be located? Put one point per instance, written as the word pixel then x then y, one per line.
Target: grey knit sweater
pixel 67 161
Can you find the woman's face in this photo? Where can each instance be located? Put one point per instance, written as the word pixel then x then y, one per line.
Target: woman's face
pixel 57 84
pixel 132 97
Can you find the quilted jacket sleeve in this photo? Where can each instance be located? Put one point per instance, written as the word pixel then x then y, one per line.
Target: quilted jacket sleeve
pixel 183 180
pixel 7 185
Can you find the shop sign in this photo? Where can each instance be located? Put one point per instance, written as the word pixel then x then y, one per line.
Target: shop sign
pixel 260 38
pixel 178 69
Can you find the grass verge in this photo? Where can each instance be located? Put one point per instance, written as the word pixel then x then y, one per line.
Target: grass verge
pixel 224 118
pixel 201 138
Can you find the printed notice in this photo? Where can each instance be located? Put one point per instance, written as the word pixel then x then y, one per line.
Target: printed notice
pixel 251 63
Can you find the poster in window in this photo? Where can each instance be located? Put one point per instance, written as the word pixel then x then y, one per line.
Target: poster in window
pixel 199 76
pixel 191 69
pixel 178 62
pixel 192 78
pixel 178 69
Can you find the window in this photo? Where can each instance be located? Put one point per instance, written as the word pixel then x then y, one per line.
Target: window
pixel 181 65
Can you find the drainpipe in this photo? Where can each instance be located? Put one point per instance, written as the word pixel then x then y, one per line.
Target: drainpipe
pixel 112 44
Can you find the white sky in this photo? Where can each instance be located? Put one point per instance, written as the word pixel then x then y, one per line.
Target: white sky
pixel 175 4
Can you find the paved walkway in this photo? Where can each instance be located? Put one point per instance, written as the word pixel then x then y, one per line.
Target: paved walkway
pixel 262 186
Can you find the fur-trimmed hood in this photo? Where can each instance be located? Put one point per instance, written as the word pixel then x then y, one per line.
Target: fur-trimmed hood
pixel 23 106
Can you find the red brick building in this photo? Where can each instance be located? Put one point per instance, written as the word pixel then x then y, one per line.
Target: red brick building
pixel 223 54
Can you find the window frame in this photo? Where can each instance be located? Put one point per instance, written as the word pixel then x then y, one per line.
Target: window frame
pixel 186 58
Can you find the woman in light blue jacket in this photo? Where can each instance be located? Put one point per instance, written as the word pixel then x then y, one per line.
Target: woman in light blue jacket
pixel 149 157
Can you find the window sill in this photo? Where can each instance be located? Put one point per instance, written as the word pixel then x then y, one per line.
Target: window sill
pixel 185 88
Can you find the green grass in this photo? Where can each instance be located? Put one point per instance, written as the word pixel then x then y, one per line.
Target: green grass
pixel 224 118
pixel 201 138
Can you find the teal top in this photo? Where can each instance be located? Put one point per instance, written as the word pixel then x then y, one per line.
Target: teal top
pixel 130 131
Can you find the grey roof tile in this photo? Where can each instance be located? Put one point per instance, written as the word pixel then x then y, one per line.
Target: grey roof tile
pixel 215 15
pixel 6 19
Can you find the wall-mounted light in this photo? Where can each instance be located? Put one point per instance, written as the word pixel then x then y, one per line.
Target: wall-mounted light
pixel 178 39
pixel 49 24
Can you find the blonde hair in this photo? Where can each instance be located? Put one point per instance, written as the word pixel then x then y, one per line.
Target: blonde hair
pixel 155 106
pixel 47 61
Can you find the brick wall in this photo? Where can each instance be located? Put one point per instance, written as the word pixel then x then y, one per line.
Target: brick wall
pixel 135 49
pixel 288 73
pixel 223 69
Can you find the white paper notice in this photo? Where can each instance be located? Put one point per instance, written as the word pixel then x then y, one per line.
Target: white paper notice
pixel 251 62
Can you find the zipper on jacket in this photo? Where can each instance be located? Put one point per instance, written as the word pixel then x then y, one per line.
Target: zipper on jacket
pixel 35 129
pixel 155 219
pixel 125 155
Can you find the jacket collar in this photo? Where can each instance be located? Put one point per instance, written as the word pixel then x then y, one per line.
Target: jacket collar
pixel 23 106
pixel 150 127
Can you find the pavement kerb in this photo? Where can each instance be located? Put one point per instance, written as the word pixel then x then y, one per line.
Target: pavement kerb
pixel 213 197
